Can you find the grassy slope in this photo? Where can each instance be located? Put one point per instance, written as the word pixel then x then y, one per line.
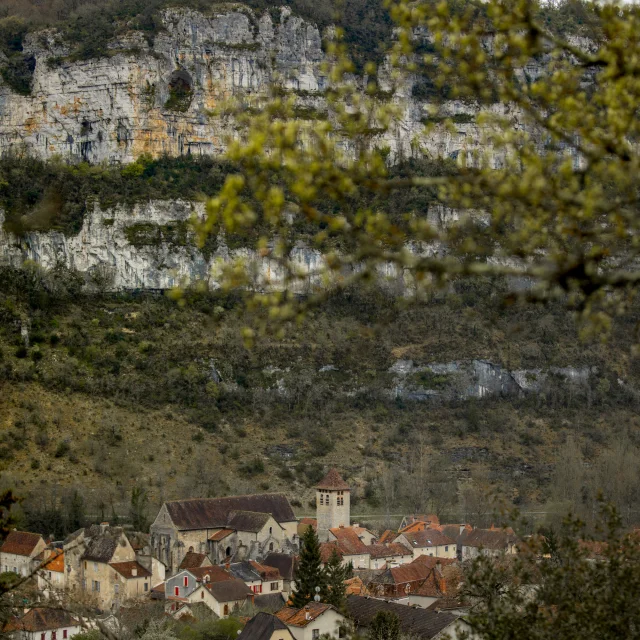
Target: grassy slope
pixel 127 383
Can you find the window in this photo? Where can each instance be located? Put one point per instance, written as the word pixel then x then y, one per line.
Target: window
pixel 53 635
pixel 85 565
pixel 446 548
pixel 226 610
pixel 202 594
pixel 186 581
pixel 64 633
pixel 257 588
pixel 176 591
pixel 116 589
pixel 95 566
pixel 228 551
pixel 84 584
pixel 274 586
pixel 146 586
pixel 270 530
pixel 96 586
pixel 321 498
pixel 271 546
pixel 315 634
pixel 43 636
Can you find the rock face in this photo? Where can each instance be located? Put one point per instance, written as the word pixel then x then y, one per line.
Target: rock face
pixel 117 108
pixel 148 246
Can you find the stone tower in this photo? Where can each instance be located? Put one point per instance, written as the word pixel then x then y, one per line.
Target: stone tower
pixel 333 504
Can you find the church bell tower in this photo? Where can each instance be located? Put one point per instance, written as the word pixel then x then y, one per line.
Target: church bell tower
pixel 333 504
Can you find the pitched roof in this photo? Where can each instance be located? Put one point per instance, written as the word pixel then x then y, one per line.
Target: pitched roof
pixel 349 542
pixel 456 532
pixel 221 535
pixel 355 586
pixel 402 574
pixel 101 548
pixel 496 539
pixel 312 522
pixel 192 560
pixel 427 538
pixel 269 601
pixel 41 620
pixel 211 513
pixel 293 617
pixel 413 621
pixel 244 571
pixel 283 562
pixel 228 590
pixel 55 562
pixel 431 563
pixel 388 536
pixel 20 543
pixel 214 573
pixel 389 550
pixel 265 571
pixel 327 549
pixel 430 588
pixel 127 569
pixel 247 521
pixel 261 627
pixel 333 482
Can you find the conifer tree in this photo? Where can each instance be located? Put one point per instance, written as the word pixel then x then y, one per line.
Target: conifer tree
pixel 336 589
pixel 309 574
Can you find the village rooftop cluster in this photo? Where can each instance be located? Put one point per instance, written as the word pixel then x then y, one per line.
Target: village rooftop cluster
pixel 238 556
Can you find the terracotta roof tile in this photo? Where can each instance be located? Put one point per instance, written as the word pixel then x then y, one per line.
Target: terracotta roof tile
pixel 349 542
pixel 388 536
pixel 388 550
pixel 221 535
pixel 355 586
pixel 431 563
pixel 302 617
pixel 127 569
pixel 427 538
pixel 20 543
pixel 214 573
pixel 327 549
pixel 496 539
pixel 333 481
pixel 55 562
pixel 193 560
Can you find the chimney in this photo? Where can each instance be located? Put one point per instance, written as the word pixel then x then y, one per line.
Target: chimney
pixel 104 526
pixel 462 528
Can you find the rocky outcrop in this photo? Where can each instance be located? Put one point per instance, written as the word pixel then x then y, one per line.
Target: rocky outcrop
pixel 117 108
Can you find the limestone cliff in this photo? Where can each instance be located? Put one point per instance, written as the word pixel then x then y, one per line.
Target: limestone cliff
pixel 116 108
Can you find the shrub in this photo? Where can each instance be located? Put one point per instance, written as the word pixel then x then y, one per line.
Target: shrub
pixel 62 449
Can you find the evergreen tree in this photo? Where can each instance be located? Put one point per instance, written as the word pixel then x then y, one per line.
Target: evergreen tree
pixel 385 626
pixel 75 515
pixel 309 574
pixel 138 511
pixel 335 575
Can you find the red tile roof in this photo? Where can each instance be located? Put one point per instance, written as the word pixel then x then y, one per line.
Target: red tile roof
pixel 131 569
pixel 427 538
pixel 193 560
pixel 55 562
pixel 355 587
pixel 389 550
pixel 431 562
pixel 20 543
pixel 333 481
pixel 312 522
pixel 302 617
pixel 220 535
pixel 214 573
pixel 266 572
pixel 348 541
pixel 388 536
pixel 496 539
pixel 327 549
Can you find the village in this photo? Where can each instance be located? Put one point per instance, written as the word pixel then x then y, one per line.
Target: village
pixel 239 556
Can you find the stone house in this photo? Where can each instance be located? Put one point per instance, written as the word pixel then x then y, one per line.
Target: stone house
pixel 19 552
pixel 456 532
pixel 42 624
pixel 489 542
pixel 51 576
pixel 101 565
pixel 388 555
pixel 265 626
pixel 286 566
pixel 313 621
pixel 223 597
pixel 429 542
pixel 185 582
pixel 353 550
pixel 214 527
pixel 415 622
pixel 261 579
